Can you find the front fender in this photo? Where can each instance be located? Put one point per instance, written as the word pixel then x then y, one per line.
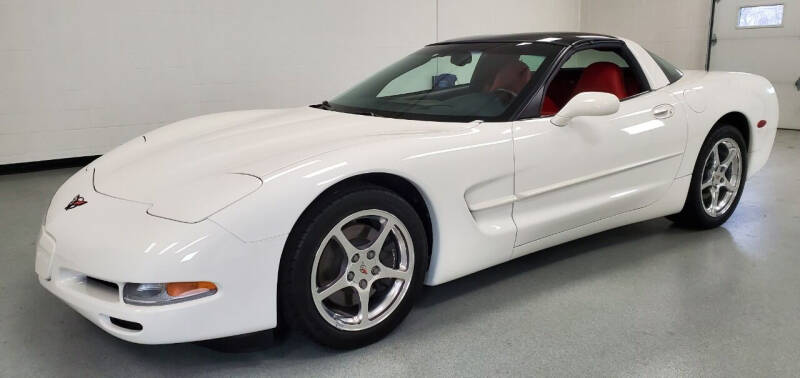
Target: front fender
pixel 456 170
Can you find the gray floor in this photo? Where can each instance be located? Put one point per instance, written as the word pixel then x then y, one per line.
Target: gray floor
pixel 646 299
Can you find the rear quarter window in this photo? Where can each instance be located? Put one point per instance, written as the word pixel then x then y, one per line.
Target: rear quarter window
pixel 672 72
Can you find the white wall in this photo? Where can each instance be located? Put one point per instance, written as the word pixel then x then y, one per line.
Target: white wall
pixel 79 77
pixel 677 30
pixel 459 18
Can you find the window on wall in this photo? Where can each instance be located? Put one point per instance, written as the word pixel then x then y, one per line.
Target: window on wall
pixel 764 16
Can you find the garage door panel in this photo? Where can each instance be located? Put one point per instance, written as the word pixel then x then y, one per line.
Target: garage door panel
pixel 764 56
pixel 789 115
pixel 772 52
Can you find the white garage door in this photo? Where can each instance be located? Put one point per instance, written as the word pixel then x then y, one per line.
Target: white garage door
pixel 762 37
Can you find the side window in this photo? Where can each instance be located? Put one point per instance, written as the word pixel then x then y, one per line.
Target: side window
pixel 672 72
pixel 603 69
pixel 437 73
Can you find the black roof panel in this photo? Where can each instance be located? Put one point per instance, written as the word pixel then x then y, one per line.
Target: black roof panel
pixel 559 38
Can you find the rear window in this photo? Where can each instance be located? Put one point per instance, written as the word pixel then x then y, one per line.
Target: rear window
pixel 585 58
pixel 672 72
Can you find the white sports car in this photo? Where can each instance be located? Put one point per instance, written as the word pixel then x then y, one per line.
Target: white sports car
pixel 463 155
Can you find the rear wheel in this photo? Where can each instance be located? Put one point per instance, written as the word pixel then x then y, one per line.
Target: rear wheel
pixel 353 267
pixel 717 181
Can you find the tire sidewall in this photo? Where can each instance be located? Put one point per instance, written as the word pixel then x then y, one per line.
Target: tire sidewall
pixel 694 204
pixel 320 219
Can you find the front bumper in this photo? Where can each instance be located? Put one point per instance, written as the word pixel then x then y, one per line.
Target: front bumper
pixel 85 256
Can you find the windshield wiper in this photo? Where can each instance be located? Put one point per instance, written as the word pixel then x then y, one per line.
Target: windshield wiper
pixel 369 114
pixel 325 105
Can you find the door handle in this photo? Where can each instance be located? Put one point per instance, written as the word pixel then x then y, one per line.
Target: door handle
pixel 797 84
pixel 663 111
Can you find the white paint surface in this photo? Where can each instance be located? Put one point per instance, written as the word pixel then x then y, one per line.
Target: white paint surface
pixel 509 202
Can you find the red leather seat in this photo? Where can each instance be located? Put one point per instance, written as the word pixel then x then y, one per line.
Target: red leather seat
pixel 632 86
pixel 602 77
pixel 597 77
pixel 513 77
pixel 549 107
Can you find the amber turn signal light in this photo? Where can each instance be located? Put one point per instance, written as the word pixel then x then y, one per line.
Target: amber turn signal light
pixel 157 294
pixel 178 289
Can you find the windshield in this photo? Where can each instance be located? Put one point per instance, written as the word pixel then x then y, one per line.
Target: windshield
pixel 454 82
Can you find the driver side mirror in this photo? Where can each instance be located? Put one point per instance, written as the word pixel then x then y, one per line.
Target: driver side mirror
pixel 586 104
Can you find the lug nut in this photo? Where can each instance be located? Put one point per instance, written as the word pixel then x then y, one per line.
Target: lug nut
pixel 363 284
pixel 355 258
pixel 375 270
pixel 350 276
pixel 370 254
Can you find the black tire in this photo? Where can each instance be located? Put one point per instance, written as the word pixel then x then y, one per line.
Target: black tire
pixel 693 214
pixel 298 307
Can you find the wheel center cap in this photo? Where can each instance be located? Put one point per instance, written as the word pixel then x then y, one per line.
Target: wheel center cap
pixel 363 269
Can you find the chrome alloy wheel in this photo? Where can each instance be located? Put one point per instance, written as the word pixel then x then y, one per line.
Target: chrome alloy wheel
pixel 362 270
pixel 722 176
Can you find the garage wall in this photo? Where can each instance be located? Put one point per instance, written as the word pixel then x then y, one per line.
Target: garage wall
pixel 458 18
pixel 79 77
pixel 677 30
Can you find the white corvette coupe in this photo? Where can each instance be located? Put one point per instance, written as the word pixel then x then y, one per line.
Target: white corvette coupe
pixel 330 218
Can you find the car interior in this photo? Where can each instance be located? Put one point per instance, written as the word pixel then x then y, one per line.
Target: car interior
pixel 501 73
pixel 496 81
pixel 605 75
pixel 467 83
pixel 494 73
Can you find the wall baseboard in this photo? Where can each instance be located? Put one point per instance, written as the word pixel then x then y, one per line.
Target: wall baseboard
pixel 34 166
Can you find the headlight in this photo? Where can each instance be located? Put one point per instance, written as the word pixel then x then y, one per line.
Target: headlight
pixel 197 200
pixel 156 294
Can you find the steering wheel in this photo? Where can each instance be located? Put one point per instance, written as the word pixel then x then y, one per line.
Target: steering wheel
pixel 505 95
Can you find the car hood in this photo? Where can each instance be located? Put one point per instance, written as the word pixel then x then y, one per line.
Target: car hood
pixel 207 150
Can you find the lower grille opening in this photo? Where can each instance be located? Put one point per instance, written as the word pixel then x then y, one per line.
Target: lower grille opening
pixel 90 286
pixel 133 326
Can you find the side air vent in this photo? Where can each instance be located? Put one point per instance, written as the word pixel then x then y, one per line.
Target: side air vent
pixel 133 326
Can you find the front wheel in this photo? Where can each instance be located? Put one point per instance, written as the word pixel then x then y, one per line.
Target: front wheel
pixel 353 266
pixel 717 181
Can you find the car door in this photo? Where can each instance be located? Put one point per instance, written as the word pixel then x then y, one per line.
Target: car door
pixel 595 167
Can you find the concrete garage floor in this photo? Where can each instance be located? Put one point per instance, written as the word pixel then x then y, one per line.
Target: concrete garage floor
pixel 646 299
